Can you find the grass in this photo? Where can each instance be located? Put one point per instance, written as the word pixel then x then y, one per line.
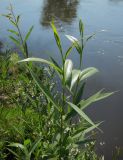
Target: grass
pixel 42 123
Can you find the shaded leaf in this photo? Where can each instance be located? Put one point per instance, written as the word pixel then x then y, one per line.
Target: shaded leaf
pixel 34 146
pixel 81 113
pixel 14 32
pixel 81 27
pixel 28 34
pixel 94 98
pixel 68 71
pixel 79 93
pixel 15 40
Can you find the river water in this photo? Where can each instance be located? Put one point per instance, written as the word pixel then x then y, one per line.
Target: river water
pixel 104 51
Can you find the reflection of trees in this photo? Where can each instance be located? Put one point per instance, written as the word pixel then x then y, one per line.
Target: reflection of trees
pixel 62 10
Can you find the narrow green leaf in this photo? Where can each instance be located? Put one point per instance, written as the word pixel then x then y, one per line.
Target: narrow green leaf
pixel 81 27
pixel 28 34
pixel 45 91
pixel 75 76
pixel 15 40
pixel 13 23
pixel 68 71
pixel 43 61
pixel 69 51
pixel 91 129
pixel 76 43
pixel 14 153
pixel 81 113
pixel 14 32
pixel 82 132
pixel 18 145
pixel 55 63
pixel 57 38
pixel 79 93
pixel 34 146
pixel 94 98
pixel 89 37
pixel 18 18
pixel 84 141
pixel 88 72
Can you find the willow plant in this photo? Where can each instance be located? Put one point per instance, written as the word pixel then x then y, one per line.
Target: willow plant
pixel 16 36
pixel 71 135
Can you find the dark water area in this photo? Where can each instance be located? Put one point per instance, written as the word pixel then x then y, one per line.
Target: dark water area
pixel 104 51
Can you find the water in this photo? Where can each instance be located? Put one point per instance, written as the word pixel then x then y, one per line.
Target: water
pixel 105 51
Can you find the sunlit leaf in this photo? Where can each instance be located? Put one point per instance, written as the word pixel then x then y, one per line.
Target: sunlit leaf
pixel 57 38
pixel 42 61
pixel 88 72
pixel 68 71
pixel 75 76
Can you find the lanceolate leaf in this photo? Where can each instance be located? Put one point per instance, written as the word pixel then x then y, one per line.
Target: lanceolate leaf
pixel 79 93
pixel 94 98
pixel 69 51
pixel 22 147
pixel 15 40
pixel 14 32
pixel 57 38
pixel 75 76
pixel 28 34
pixel 82 133
pixel 45 91
pixel 81 113
pixel 75 42
pixel 68 71
pixel 34 146
pixel 81 27
pixel 55 63
pixel 43 61
pixel 88 72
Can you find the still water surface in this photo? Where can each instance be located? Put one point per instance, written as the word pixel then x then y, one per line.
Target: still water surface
pixel 105 51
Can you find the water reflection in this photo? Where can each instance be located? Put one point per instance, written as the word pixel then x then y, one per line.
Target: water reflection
pixel 61 10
